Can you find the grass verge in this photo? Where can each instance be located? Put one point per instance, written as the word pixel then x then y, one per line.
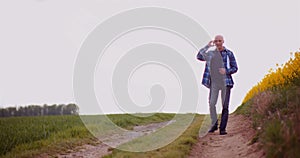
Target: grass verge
pixel 178 148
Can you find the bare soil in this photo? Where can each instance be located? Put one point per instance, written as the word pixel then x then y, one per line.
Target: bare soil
pixel 235 144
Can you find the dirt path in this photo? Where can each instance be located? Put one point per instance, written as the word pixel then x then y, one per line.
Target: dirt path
pixel 87 150
pixel 102 149
pixel 233 145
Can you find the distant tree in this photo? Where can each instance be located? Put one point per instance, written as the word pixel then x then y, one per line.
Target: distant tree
pixel 36 110
pixel 71 109
pixel 52 109
pixel 45 109
pixel 21 111
pixel 60 109
pixel 4 113
pixel 1 112
pixel 12 111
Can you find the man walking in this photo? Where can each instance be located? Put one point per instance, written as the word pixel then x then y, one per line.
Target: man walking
pixel 220 65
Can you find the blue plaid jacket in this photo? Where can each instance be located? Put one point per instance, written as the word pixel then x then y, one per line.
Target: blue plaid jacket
pixel 228 60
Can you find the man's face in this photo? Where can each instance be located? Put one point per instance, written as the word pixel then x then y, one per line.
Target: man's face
pixel 219 41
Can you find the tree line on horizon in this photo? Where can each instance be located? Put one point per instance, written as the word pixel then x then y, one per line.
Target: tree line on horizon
pixel 37 110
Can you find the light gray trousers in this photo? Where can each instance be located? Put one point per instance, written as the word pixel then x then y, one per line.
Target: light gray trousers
pixel 213 98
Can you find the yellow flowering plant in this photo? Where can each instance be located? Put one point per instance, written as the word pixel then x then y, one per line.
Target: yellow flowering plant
pixel 289 73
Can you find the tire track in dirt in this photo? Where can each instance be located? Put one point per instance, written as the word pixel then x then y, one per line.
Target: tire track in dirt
pixel 102 149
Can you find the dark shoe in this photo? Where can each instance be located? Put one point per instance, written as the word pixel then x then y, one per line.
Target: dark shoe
pixel 214 128
pixel 223 132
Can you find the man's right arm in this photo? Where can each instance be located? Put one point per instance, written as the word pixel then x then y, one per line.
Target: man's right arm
pixel 202 54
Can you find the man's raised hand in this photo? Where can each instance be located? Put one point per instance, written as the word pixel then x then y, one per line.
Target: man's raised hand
pixel 211 43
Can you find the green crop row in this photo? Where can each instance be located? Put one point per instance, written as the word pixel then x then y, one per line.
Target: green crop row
pixel 35 135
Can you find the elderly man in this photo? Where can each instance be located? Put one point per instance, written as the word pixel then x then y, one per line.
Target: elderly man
pixel 220 65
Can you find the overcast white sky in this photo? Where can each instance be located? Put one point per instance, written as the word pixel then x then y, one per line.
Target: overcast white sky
pixel 41 38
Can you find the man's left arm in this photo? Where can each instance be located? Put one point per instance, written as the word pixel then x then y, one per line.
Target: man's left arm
pixel 233 65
